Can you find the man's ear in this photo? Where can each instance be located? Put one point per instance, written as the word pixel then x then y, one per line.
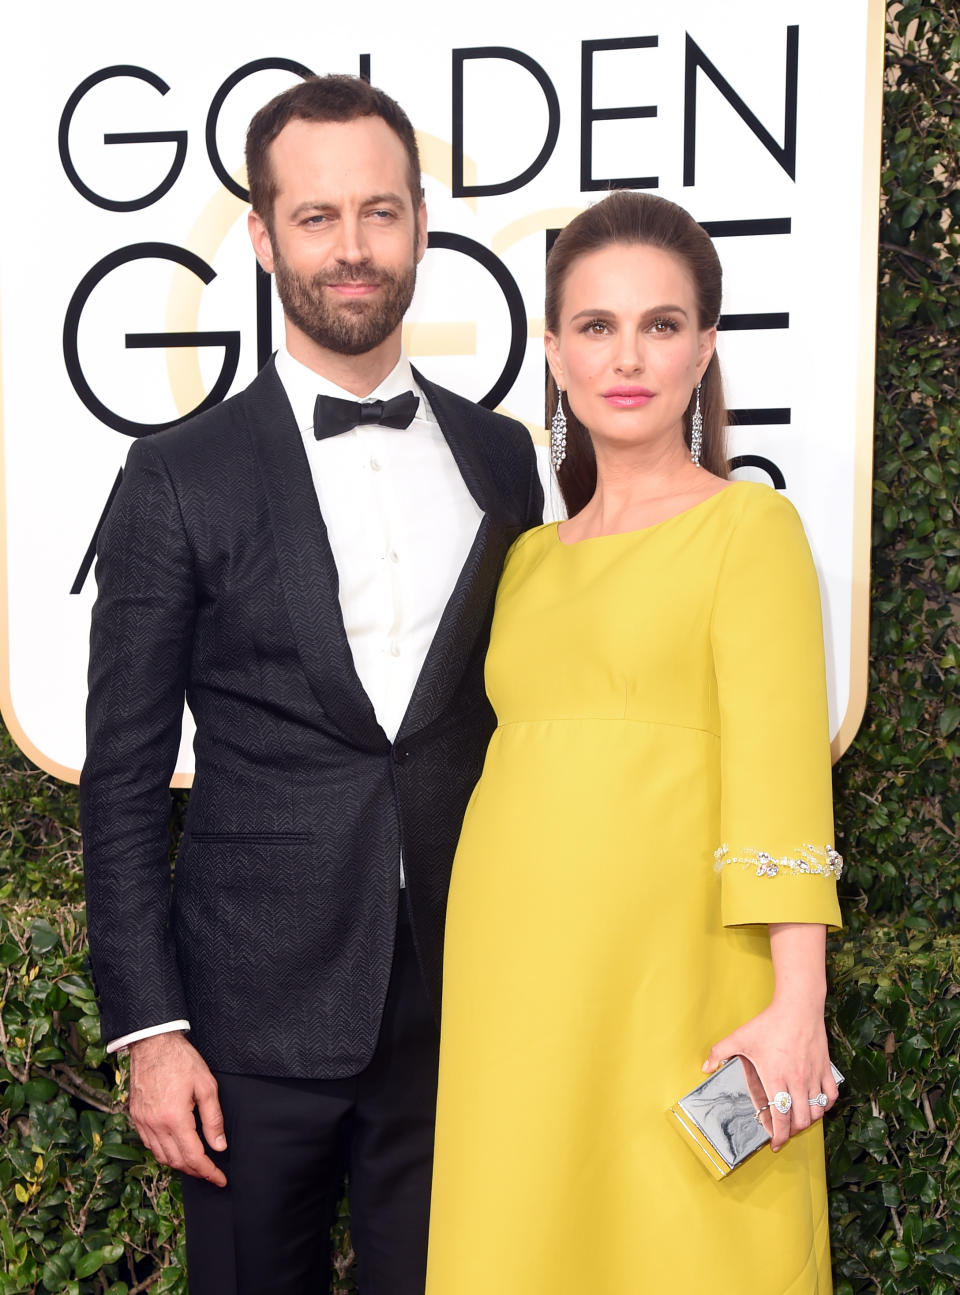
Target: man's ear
pixel 421 218
pixel 262 243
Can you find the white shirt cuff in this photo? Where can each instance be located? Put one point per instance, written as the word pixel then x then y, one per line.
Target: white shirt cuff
pixel 115 1044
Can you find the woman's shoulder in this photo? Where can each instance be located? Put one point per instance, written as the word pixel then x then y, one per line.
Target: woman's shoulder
pixel 759 507
pixel 532 542
pixel 756 498
pixel 765 535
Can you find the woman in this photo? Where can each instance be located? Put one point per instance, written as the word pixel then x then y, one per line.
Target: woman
pixel 656 664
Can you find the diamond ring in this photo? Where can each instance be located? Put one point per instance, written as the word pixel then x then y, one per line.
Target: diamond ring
pixel 821 1099
pixel 782 1102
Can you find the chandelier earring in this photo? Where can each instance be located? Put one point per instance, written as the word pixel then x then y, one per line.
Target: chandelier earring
pixel 558 434
pixel 696 432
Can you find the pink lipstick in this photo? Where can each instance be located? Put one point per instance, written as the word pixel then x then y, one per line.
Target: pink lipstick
pixel 627 397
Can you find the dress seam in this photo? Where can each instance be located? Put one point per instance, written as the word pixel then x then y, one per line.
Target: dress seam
pixel 721 565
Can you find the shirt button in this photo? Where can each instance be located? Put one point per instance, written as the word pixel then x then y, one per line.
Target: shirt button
pixel 394 555
pixel 394 647
pixel 375 465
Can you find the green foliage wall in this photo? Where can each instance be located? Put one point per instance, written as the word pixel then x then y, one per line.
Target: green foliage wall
pixel 84 1209
pixel 898 793
pixel 893 1165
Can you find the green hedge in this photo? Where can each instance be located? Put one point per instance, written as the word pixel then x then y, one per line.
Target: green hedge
pixel 80 1203
pixel 893 1169
pixel 83 1208
pixel 893 1166
pixel 898 797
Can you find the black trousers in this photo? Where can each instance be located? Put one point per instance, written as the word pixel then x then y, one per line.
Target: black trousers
pixel 290 1142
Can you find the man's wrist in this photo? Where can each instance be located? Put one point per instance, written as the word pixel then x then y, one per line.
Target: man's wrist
pixel 125 1040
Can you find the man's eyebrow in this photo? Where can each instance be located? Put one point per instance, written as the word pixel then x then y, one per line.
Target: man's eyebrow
pixel 323 205
pixel 385 198
pixel 312 204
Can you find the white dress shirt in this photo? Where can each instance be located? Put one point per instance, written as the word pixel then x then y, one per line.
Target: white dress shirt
pixel 400 522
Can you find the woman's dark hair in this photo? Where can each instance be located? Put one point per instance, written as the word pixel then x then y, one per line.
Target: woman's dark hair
pixel 337 98
pixel 631 218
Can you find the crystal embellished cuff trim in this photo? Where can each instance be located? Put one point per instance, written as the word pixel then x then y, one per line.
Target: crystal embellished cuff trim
pixel 815 860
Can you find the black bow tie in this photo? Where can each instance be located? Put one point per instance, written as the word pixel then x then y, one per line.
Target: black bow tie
pixel 332 415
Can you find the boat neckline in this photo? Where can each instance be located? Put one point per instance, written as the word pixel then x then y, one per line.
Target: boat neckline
pixel 639 530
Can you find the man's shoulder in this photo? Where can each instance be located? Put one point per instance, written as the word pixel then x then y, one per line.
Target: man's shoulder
pixel 213 430
pixel 447 404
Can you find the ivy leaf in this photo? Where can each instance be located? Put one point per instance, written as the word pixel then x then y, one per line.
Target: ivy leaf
pixel 40 1090
pixel 122 1151
pixel 94 1260
pixel 56 1272
pixel 43 937
pixel 947 1264
pixel 949 719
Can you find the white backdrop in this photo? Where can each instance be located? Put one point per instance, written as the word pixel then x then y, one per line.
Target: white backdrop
pixel 761 122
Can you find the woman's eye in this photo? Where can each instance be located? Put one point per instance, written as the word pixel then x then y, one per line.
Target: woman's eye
pixel 596 326
pixel 664 325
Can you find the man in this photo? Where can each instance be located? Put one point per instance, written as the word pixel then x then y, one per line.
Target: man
pixel 332 656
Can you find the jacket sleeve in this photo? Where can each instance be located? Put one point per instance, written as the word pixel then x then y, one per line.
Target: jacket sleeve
pixel 140 647
pixel 775 857
pixel 535 496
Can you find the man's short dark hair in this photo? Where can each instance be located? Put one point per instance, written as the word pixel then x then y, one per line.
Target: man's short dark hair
pixel 322 99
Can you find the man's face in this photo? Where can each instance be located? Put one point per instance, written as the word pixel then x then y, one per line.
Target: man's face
pixel 346 238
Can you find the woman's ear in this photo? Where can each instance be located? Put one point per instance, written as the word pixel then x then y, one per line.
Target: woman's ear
pixel 708 344
pixel 552 349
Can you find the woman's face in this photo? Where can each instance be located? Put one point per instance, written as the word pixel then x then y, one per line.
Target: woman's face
pixel 629 350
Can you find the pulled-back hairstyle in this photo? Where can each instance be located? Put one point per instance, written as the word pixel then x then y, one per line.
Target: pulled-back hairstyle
pixel 637 218
pixel 322 99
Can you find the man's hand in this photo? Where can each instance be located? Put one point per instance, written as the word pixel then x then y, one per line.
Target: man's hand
pixel 168 1077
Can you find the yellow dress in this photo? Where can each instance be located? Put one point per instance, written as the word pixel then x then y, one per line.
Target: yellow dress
pixel 660 694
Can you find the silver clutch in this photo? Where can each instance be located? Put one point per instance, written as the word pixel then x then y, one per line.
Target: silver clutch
pixel 724 1120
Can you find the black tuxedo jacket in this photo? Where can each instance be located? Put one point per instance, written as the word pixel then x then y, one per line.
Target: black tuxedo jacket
pixel 216 581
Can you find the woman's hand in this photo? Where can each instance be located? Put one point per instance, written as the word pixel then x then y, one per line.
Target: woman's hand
pixel 787 1041
pixel 789 1049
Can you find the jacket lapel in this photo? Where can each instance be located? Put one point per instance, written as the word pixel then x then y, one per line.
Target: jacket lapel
pixel 308 572
pixel 467 612
pixel 460 424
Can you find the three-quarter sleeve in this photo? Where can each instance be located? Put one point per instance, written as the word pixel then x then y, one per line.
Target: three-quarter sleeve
pixel 775 856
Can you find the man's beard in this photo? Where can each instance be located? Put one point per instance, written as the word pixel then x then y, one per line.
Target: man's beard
pixel 349 327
